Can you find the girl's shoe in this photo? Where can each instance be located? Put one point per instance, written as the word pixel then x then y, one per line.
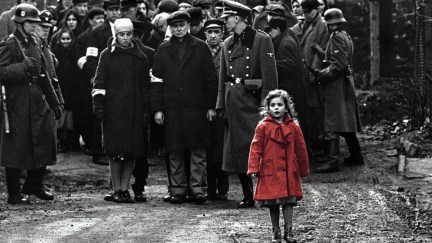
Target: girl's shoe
pixel 118 196
pixel 276 238
pixel 289 235
pixel 127 197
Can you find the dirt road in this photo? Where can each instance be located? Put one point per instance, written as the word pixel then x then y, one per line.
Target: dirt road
pixel 354 205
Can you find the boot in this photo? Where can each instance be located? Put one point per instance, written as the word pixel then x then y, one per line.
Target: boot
pixel 13 187
pixel 139 193
pixel 332 164
pixel 289 234
pixel 277 238
pixel 33 184
pixel 355 158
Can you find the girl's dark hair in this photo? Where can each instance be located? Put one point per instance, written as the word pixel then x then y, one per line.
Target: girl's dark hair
pixel 264 110
pixel 65 30
pixel 75 14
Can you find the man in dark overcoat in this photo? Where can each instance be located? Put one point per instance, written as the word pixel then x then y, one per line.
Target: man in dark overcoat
pixel 247 73
pixel 28 140
pixel 217 179
pixel 289 65
pixel 184 98
pixel 341 117
pixel 97 43
pixel 314 33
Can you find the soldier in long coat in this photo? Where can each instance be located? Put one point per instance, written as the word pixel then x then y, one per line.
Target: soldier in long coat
pixel 30 142
pixel 247 57
pixel 341 117
pixel 182 100
pixel 314 33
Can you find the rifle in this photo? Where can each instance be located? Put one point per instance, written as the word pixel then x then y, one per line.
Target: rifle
pixel 5 113
pixel 310 68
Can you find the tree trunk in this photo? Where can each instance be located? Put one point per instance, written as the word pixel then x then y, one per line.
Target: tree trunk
pixel 386 37
pixel 374 40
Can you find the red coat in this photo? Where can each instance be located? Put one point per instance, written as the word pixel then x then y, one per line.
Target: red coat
pixel 278 154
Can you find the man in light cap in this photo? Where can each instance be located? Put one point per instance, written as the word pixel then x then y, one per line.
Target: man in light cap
pixel 247 74
pixel 314 33
pixel 160 26
pixel 28 140
pixel 183 92
pixel 341 117
pixel 97 43
pixel 217 179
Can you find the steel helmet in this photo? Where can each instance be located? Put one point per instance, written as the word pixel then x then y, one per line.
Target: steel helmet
pixel 334 16
pixel 26 12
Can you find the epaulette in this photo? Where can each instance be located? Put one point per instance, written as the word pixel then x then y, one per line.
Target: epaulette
pixel 262 31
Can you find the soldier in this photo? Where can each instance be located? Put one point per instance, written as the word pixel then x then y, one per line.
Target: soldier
pixel 217 179
pixel 7 26
pixel 183 95
pixel 341 117
pixel 314 33
pixel 28 135
pixel 247 74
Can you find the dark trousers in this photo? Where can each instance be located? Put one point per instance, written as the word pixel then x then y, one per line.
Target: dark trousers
pixel 247 186
pixel 33 181
pixel 217 179
pixel 316 129
pixel 141 169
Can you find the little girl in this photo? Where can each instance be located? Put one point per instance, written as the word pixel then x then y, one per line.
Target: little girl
pixel 278 158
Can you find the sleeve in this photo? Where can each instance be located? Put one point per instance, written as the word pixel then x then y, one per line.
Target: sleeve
pixel 99 83
pixel 301 152
pixel 145 85
pixel 268 67
pixel 338 58
pixel 256 150
pixel 92 53
pixel 10 73
pixel 156 84
pixel 48 90
pixel 210 78
pixel 220 100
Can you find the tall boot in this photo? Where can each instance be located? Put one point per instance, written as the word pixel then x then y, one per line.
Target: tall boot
pixel 247 186
pixel 14 188
pixel 332 164
pixel 355 157
pixel 33 184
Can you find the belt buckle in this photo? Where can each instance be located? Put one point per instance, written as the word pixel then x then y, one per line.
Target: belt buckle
pixel 237 80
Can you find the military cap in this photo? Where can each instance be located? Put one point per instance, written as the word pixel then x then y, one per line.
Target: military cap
pixel 275 9
pixel 79 1
pixel 178 16
pixel 184 4
pixel 310 4
pixel 168 6
pixel 46 17
pixel 95 11
pixel 195 14
pixel 235 8
pixel 111 4
pixel 213 23
pixel 128 3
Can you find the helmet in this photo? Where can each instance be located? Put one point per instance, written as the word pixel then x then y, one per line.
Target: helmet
pixel 26 12
pixel 334 16
pixel 46 18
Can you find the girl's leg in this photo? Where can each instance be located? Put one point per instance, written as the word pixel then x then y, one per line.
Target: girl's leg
pixel 115 170
pixel 288 212
pixel 274 215
pixel 126 173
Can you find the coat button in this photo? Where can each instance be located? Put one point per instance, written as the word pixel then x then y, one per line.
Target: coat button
pixel 247 57
pixel 229 51
pixel 247 67
pixel 232 75
pixel 247 75
pixel 230 67
pixel 247 49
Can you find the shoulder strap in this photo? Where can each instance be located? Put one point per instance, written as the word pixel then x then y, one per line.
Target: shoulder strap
pixel 19 45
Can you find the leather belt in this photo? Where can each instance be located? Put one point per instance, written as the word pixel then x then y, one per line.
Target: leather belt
pixel 236 80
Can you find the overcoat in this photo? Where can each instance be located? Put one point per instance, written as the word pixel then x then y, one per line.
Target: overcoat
pixel 122 81
pixel 278 154
pixel 250 57
pixel 340 104
pixel 188 91
pixel 289 67
pixel 314 32
pixel 97 43
pixel 50 63
pixel 31 142
pixel 7 25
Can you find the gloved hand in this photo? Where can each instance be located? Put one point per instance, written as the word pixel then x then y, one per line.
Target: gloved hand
pixel 100 114
pixel 58 110
pixel 30 66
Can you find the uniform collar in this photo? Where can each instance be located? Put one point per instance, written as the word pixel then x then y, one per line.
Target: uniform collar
pixel 247 37
pixel 25 39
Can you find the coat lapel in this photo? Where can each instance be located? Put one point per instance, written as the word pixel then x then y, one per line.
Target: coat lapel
pixel 190 47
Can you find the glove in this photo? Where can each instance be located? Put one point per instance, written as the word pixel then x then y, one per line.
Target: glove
pixel 30 66
pixel 58 110
pixel 99 114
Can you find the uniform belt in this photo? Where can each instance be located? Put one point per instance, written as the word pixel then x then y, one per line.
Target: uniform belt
pixel 236 80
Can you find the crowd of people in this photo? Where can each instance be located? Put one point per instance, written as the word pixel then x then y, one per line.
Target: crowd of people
pixel 191 77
